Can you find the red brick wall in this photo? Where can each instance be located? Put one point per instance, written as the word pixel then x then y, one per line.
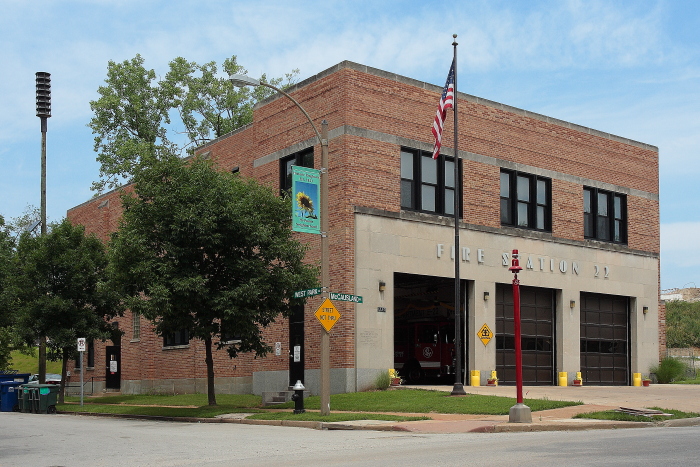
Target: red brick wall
pixel 366 172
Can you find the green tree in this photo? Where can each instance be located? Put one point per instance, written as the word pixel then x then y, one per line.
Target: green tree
pixel 61 288
pixel 682 324
pixel 7 251
pixel 28 221
pixel 129 122
pixel 131 119
pixel 208 252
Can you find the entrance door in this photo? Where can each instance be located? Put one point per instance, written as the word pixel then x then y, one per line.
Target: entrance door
pixel 604 339
pixel 113 367
pixel 424 328
pixel 296 345
pixel 537 335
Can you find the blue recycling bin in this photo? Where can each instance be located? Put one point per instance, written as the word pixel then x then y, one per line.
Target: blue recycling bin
pixel 9 390
pixel 21 378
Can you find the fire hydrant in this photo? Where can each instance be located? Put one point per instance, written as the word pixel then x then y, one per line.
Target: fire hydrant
pixel 298 397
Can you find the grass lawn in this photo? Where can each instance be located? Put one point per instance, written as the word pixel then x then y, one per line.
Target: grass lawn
pixel 229 400
pixel 30 363
pixel 623 417
pixel 364 404
pixel 423 401
pixel 696 380
pixel 162 411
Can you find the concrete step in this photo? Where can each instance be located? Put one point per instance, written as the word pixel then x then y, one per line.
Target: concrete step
pixel 276 397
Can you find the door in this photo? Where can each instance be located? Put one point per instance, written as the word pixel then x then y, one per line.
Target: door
pixel 113 367
pixel 296 345
pixel 537 335
pixel 604 339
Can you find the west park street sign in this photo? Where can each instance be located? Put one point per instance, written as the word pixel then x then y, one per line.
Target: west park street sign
pixel 307 292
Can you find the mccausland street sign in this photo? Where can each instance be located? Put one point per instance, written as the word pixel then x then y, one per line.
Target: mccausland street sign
pixel 345 297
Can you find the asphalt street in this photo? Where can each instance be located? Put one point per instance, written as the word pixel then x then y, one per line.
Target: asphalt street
pixel 67 440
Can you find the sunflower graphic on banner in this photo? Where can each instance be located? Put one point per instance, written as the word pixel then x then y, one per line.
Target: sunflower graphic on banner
pixel 305 200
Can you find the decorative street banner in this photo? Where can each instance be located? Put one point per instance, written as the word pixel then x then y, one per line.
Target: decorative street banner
pixel 306 200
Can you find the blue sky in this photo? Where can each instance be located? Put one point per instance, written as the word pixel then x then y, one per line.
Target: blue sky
pixel 631 68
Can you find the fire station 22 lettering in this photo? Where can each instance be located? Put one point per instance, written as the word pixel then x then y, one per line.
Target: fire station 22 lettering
pixel 533 263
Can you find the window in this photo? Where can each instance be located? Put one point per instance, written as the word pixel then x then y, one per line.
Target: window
pixel 181 337
pixel 227 337
pixel 526 201
pixel 604 215
pixel 136 318
pixel 90 356
pixel 427 184
pixel 303 158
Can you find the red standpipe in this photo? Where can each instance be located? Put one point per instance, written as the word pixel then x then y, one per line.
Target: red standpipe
pixel 515 268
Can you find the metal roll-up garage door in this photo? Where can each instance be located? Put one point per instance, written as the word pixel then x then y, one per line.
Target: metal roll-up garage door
pixel 537 335
pixel 605 339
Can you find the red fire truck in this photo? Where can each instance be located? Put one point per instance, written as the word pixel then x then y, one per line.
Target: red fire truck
pixel 424 349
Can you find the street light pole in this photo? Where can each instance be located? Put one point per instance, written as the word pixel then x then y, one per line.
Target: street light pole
pixel 243 80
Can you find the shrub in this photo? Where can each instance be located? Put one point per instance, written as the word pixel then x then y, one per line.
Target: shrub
pixel 670 369
pixel 382 382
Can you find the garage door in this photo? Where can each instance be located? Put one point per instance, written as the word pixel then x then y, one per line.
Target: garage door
pixel 604 339
pixel 537 335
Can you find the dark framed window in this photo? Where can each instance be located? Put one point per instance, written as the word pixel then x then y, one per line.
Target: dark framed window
pixel 526 201
pixel 303 158
pixel 136 326
pixel 90 356
pixel 604 215
pixel 427 184
pixel 230 337
pixel 181 337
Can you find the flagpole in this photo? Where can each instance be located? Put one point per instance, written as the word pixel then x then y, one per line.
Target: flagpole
pixel 458 389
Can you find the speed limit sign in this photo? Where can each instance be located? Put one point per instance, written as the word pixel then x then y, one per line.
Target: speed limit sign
pixel 81 344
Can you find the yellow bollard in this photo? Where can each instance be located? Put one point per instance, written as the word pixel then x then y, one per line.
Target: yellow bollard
pixel 476 378
pixel 636 379
pixel 563 378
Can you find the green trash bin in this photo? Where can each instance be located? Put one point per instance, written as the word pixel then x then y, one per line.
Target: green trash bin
pixel 25 404
pixel 46 397
pixel 34 399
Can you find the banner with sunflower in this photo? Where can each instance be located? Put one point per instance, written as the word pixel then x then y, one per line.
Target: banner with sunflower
pixel 306 200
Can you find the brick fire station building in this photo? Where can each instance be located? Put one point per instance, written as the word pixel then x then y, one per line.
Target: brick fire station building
pixel 581 206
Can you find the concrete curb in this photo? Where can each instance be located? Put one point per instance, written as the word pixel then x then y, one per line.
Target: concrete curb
pixel 381 425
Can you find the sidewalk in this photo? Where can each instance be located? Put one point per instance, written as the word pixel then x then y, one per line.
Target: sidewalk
pixel 595 398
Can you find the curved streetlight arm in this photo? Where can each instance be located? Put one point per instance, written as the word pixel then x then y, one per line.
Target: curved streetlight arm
pixel 242 80
pixel 318 135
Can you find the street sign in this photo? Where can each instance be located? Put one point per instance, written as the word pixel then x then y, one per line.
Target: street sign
pixel 345 297
pixel 307 292
pixel 327 314
pixel 81 344
pixel 485 334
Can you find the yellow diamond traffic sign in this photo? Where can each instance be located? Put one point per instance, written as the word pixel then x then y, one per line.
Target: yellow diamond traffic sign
pixel 327 315
pixel 485 334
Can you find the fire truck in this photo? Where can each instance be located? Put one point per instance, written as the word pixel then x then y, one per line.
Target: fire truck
pixel 424 350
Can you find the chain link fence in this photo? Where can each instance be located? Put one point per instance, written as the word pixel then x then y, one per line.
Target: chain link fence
pixel 689 356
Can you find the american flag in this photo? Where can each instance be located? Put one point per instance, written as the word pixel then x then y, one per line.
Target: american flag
pixel 445 103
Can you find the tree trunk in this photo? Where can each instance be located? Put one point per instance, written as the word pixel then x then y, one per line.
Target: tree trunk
pixel 211 394
pixel 62 389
